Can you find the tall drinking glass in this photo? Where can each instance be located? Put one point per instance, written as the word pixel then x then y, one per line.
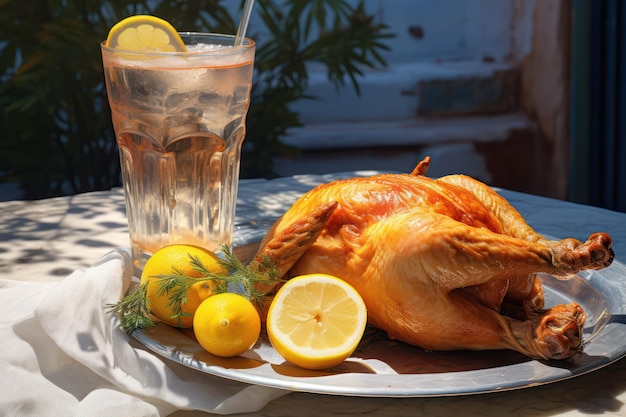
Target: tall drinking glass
pixel 179 119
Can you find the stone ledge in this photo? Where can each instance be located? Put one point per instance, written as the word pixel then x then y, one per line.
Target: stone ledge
pixel 404 90
pixel 399 133
pixel 499 150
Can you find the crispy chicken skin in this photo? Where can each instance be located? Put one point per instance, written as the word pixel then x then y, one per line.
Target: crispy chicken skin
pixel 443 264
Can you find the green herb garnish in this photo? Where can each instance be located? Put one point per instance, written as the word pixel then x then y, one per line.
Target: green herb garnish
pixel 134 310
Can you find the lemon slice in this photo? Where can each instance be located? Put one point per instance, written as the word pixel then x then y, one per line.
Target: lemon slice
pixel 316 321
pixel 143 33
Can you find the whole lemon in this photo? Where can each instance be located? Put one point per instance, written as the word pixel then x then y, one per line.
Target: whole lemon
pixel 226 324
pixel 164 262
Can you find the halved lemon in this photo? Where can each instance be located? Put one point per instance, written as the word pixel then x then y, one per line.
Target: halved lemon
pixel 144 33
pixel 316 321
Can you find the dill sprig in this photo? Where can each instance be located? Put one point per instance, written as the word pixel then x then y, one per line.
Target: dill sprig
pixel 244 277
pixel 134 311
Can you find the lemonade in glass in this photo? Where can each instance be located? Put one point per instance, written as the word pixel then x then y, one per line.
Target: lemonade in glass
pixel 179 118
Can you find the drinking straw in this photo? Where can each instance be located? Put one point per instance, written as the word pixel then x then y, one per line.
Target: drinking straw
pixel 243 23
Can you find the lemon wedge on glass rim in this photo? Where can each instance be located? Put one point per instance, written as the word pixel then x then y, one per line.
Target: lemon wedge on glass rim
pixel 316 321
pixel 144 33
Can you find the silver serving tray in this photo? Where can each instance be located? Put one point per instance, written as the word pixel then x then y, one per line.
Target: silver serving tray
pixel 385 368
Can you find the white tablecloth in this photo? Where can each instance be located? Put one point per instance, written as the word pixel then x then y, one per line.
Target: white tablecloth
pixel 65 239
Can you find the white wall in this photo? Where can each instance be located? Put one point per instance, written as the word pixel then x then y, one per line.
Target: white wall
pixel 461 38
pixel 452 29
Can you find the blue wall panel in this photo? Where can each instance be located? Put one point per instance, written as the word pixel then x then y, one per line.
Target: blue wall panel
pixel 598 95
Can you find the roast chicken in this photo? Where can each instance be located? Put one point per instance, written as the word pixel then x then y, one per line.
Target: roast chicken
pixel 442 264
